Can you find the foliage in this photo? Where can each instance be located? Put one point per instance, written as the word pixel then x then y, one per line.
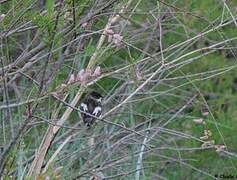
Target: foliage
pixel 168 79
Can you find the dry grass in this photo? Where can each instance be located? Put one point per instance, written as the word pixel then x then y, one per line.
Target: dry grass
pixel 159 61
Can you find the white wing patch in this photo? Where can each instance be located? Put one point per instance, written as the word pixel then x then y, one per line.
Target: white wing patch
pixel 84 107
pixel 96 110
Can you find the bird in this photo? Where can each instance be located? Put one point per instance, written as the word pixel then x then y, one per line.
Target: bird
pixel 91 107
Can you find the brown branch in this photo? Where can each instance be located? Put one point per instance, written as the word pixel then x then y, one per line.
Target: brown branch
pixel 36 165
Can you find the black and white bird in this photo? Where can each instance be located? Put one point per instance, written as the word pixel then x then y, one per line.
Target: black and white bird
pixel 91 105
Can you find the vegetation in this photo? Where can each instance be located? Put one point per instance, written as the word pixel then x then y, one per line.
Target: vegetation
pixel 166 70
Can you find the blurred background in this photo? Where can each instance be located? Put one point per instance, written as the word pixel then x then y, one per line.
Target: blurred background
pixel 167 74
